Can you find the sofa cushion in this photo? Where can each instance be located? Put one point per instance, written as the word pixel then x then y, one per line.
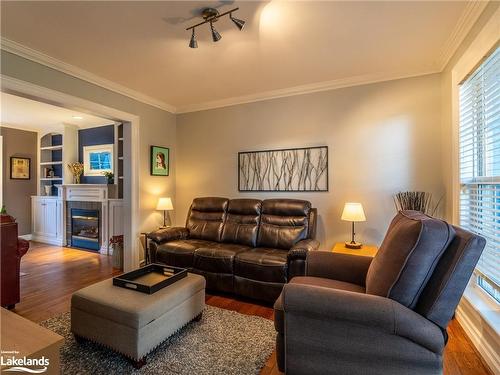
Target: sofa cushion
pixel 180 253
pixel 411 249
pixel 217 258
pixel 262 264
pixel 242 222
pixel 206 218
pixel 284 222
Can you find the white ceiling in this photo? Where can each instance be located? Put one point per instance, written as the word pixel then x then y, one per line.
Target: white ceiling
pixel 143 46
pixel 32 115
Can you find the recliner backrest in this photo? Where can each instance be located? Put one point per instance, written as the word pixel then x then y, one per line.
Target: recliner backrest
pixel 410 252
pixel 283 223
pixel 206 218
pixel 242 221
pixel 442 293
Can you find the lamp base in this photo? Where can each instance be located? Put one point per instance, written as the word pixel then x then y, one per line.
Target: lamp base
pixel 353 245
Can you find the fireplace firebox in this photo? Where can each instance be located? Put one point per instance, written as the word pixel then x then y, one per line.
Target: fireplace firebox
pixel 85 229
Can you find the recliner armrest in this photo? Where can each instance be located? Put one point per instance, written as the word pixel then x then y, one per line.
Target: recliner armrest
pixel 296 257
pixel 337 266
pixel 169 234
pixel 374 312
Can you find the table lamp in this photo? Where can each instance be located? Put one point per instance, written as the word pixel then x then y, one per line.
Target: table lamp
pixel 164 204
pixel 353 212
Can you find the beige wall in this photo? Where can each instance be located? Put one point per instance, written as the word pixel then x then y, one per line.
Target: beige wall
pixel 157 127
pixel 446 91
pixel 17 193
pixel 382 138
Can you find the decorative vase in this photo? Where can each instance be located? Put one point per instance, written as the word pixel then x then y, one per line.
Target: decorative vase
pixel 77 179
pixel 48 189
pixel 111 181
pixel 117 255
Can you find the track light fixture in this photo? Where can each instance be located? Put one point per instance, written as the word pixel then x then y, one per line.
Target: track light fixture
pixel 193 43
pixel 239 23
pixel 211 15
pixel 215 34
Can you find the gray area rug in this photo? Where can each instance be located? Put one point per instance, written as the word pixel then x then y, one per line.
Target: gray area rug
pixel 222 342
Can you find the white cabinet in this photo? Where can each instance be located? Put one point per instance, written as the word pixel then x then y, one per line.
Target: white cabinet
pixel 47 220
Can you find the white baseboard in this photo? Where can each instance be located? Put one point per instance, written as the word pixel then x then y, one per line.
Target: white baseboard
pixel 482 335
pixel 47 240
pixel 27 237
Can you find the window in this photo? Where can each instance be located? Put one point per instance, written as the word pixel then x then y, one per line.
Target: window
pixel 479 138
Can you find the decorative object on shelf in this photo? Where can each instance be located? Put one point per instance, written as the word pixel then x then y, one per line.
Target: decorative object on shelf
pixel 97 159
pixel 159 161
pixel 293 169
pixel 48 189
pixel 116 242
pixel 20 168
pixel 353 212
pixel 416 201
pixel 210 16
pixel 76 169
pixel 110 177
pixel 165 204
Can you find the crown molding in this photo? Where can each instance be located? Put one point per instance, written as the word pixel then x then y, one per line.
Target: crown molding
pixel 469 17
pixel 41 58
pixel 303 89
pixel 17 127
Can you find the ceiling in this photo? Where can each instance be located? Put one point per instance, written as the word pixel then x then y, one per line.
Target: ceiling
pixel 143 46
pixel 32 115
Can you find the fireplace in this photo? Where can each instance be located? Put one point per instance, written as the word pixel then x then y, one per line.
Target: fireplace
pixel 85 229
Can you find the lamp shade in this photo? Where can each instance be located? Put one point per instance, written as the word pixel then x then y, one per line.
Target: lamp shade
pixel 353 212
pixel 164 204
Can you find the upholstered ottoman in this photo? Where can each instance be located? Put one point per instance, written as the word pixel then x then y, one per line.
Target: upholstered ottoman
pixel 133 323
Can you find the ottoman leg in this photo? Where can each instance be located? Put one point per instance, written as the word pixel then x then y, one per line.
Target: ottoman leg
pixel 138 363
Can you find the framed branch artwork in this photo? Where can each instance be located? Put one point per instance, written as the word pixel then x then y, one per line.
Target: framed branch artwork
pixel 20 168
pixel 293 169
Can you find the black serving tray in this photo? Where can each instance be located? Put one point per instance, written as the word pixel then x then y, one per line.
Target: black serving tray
pixel 151 278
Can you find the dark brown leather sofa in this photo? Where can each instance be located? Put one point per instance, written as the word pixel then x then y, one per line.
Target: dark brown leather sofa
pixel 12 249
pixel 387 316
pixel 244 246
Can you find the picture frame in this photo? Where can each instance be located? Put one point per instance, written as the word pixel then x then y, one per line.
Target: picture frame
pixel 159 159
pixel 98 159
pixel 20 168
pixel 302 169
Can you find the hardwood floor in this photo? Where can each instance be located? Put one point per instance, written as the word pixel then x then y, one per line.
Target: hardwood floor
pixel 54 273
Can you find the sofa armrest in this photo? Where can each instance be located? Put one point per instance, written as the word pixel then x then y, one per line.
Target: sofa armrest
pixel 382 314
pixel 337 266
pixel 169 234
pixel 296 257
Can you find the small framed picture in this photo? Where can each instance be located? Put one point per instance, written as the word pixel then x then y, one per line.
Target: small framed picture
pixel 20 168
pixel 159 161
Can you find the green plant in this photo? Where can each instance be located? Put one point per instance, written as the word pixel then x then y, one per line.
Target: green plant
pixel 3 211
pixel 109 175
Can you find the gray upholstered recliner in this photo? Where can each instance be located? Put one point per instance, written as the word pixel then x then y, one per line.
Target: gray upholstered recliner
pixel 354 315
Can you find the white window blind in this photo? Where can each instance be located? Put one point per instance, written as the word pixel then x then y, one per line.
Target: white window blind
pixel 479 138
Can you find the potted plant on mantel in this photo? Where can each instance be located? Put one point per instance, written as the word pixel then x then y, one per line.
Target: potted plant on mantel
pixel 110 177
pixel 76 169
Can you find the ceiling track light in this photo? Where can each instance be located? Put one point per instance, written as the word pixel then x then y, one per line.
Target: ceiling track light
pixel 211 15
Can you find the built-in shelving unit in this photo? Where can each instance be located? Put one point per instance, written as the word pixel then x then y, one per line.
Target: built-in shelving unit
pixel 50 162
pixel 56 150
pixel 119 170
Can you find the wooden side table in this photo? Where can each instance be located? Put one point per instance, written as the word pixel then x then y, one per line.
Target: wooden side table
pixel 366 250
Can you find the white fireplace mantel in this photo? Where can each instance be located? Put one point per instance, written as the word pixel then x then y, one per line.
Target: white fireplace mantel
pixel 84 192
